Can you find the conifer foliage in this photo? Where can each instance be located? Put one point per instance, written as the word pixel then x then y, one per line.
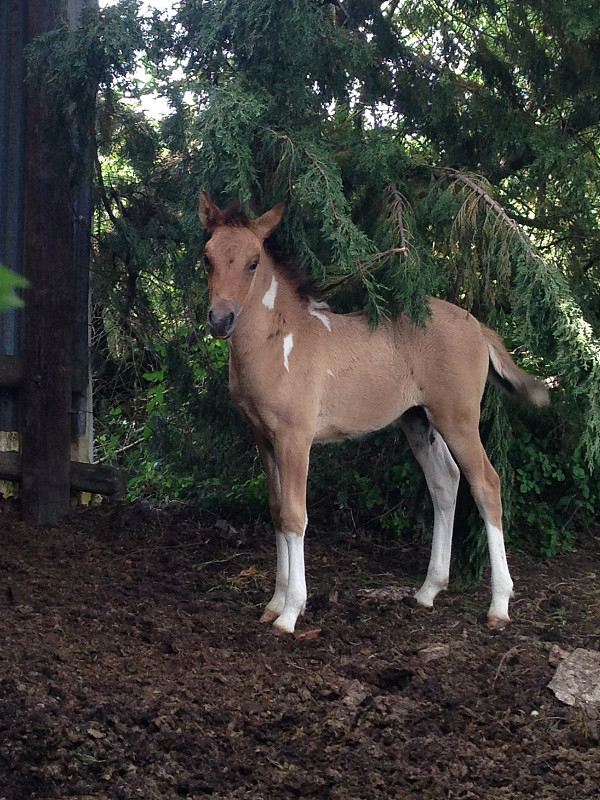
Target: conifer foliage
pixel 445 147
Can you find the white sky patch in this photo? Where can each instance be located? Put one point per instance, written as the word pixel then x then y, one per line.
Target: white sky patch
pixel 149 5
pixel 269 298
pixel 154 104
pixel 288 344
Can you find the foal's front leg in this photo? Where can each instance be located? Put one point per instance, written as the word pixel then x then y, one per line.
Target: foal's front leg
pixel 277 602
pixel 288 472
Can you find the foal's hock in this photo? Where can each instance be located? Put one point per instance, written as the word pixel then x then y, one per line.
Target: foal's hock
pixel 301 374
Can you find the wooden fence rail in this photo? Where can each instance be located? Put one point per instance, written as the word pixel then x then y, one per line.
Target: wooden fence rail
pixel 93 478
pixel 83 477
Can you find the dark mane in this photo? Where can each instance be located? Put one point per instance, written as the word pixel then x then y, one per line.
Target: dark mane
pixel 237 216
pixel 300 280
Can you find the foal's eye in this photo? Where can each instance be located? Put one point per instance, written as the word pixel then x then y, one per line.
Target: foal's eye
pixel 208 267
pixel 253 265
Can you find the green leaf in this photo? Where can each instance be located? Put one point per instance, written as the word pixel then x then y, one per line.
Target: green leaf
pixel 8 283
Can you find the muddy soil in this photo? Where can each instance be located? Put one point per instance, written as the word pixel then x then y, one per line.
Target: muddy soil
pixel 133 665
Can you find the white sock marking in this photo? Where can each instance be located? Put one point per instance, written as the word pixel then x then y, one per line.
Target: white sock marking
pixel 295 597
pixel 288 343
pixel 282 576
pixel 269 298
pixel 442 475
pixel 314 308
pixel 502 584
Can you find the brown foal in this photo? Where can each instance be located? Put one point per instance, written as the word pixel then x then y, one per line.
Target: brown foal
pixel 301 374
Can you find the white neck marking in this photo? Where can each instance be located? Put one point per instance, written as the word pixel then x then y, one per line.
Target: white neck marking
pixel 315 307
pixel 288 343
pixel 269 298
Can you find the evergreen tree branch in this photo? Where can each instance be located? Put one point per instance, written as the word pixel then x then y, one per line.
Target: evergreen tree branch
pixel 391 9
pixel 319 167
pixel 366 269
pixel 398 208
pixel 535 222
pixel 543 290
pixel 480 192
pixel 101 185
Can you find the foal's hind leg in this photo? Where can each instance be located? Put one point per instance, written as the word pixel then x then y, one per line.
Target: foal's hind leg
pixel 463 439
pixel 442 476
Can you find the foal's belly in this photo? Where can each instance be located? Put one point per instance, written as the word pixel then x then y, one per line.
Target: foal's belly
pixel 363 408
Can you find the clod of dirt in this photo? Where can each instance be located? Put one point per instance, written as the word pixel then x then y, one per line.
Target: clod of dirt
pixel 356 693
pixel 308 636
pixel 556 655
pixel 386 593
pixel 433 652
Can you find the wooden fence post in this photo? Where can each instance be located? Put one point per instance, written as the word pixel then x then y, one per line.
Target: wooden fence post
pixel 49 325
pixel 45 222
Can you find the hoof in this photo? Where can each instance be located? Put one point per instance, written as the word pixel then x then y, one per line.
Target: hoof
pixel 497 624
pixel 425 608
pixel 282 629
pixel 268 615
pixel 411 601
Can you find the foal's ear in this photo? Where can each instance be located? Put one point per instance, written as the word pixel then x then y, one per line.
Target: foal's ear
pixel 211 215
pixel 264 226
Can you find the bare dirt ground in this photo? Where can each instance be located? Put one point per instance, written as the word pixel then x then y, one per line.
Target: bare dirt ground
pixel 133 666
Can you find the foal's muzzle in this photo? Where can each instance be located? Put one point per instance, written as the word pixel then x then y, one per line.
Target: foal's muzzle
pixel 221 325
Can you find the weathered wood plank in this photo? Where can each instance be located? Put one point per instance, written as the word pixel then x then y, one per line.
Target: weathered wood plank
pixel 97 479
pixel 94 478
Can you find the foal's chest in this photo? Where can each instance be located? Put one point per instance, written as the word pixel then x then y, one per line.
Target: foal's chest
pixel 249 391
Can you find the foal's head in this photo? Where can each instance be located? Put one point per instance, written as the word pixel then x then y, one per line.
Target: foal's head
pixel 232 261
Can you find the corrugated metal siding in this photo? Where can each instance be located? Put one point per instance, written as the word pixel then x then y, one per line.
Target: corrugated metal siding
pixel 13 35
pixel 13 27
pixel 84 210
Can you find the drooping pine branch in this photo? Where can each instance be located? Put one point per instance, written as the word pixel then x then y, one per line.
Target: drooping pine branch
pixel 543 291
pixel 399 203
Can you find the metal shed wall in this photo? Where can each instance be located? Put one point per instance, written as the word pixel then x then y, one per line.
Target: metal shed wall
pixel 13 108
pixel 13 33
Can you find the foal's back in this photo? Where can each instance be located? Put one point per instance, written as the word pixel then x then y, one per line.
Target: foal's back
pixel 370 377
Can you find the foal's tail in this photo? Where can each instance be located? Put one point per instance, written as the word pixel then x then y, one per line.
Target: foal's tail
pixel 512 379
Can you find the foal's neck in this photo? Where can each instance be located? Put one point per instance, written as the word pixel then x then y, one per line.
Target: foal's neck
pixel 272 305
